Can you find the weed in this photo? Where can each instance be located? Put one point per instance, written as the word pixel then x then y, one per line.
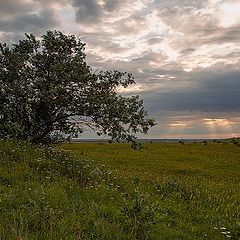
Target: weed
pixel 139 216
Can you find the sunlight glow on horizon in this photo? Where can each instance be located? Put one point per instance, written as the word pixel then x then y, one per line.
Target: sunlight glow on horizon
pixel 217 127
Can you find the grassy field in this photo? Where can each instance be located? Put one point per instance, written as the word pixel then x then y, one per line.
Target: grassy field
pixel 110 191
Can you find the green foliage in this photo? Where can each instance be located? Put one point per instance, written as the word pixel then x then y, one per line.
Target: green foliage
pixel 48 91
pixel 139 146
pixel 139 216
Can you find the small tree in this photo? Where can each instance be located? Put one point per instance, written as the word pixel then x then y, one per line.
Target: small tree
pixel 48 91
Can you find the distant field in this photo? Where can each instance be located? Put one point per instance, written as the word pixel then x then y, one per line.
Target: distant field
pixel 200 182
pixel 110 191
pixel 158 159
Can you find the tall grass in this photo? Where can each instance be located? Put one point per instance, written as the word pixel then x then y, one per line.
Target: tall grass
pixel 109 191
pixel 50 194
pixel 197 185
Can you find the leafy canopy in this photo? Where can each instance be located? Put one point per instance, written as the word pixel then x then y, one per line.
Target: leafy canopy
pixel 48 91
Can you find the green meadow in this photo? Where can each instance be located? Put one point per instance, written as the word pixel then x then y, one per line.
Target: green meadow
pixel 110 191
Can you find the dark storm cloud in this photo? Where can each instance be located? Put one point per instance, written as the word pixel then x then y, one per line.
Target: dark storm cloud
pixel 49 2
pixel 35 23
pixel 91 12
pixel 87 11
pixel 219 36
pixel 214 92
pixel 18 7
pixel 230 34
pixel 104 42
pixel 19 17
pixel 142 63
pixel 13 7
pixel 130 25
pixel 211 90
pixel 111 5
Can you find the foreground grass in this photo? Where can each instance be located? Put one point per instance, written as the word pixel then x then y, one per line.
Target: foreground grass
pixel 50 194
pixel 197 185
pixel 167 191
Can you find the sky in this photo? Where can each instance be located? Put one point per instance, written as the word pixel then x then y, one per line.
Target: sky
pixel 185 55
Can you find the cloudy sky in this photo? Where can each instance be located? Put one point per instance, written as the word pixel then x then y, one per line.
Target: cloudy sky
pixel 184 54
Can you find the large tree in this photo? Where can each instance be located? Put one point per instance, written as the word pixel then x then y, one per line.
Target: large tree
pixel 48 90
